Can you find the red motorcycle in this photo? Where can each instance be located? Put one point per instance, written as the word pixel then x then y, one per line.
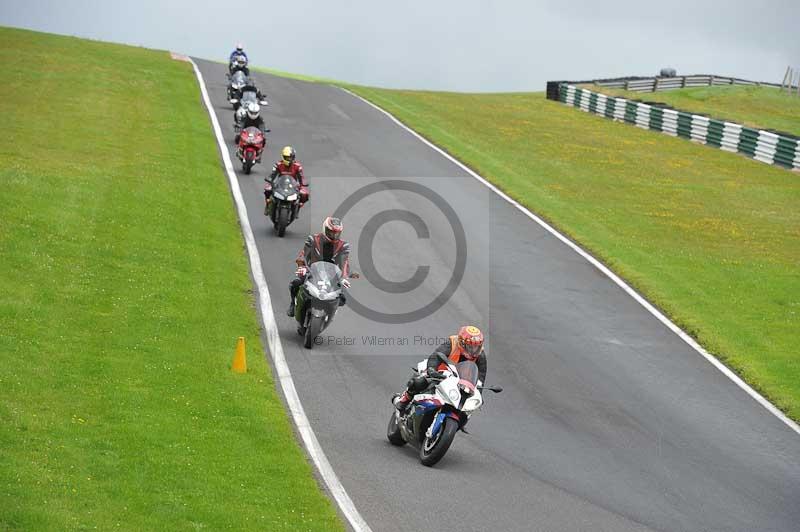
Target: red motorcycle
pixel 251 145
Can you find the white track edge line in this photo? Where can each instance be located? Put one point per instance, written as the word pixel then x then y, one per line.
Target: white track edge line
pixel 310 441
pixel 600 266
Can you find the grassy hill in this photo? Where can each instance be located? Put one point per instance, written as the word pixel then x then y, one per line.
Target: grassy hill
pixel 123 288
pixel 710 237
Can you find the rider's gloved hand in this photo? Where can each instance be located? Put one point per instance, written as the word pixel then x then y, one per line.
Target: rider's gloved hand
pixel 301 271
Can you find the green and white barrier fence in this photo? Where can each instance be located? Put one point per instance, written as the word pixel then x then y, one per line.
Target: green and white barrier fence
pixel 765 146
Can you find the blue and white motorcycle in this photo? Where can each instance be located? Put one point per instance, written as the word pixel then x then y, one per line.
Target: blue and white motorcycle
pixel 432 419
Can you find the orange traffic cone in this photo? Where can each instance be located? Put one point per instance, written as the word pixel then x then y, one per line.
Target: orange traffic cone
pixel 240 358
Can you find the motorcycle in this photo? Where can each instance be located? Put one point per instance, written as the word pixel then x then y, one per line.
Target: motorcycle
pixel 285 204
pixel 235 84
pixel 251 146
pixel 248 94
pixel 318 300
pixel 238 63
pixel 434 416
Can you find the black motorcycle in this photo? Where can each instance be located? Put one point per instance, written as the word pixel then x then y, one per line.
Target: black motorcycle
pixel 318 300
pixel 285 203
pixel 235 84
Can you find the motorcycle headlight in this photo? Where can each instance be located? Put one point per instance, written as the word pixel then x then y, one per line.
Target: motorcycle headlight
pixel 278 196
pixel 472 403
pixel 454 395
pixel 327 296
pixel 313 290
pixel 291 198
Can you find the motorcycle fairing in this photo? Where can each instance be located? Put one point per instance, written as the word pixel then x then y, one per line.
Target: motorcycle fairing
pixel 425 402
pixel 437 423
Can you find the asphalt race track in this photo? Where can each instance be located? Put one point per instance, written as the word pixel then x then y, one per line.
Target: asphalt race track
pixel 608 421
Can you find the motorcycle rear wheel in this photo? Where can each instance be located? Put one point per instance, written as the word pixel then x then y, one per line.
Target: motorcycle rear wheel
pixel 433 450
pixel 393 431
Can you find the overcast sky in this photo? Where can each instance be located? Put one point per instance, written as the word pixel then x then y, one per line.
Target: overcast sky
pixel 462 45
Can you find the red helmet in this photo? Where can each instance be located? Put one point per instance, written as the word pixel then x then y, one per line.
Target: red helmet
pixel 470 338
pixel 332 228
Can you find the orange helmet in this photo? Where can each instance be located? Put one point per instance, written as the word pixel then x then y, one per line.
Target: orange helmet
pixel 470 338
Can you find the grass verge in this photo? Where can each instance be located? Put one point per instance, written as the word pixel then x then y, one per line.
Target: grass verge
pixel 711 238
pixel 757 107
pixel 123 288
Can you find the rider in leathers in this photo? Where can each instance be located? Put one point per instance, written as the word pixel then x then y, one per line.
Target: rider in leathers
pixel 325 246
pixel 286 165
pixel 252 118
pixel 466 345
pixel 234 64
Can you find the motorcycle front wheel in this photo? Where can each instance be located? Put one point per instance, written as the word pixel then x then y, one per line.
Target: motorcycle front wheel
pixel 282 221
pixel 433 449
pixel 312 331
pixel 393 431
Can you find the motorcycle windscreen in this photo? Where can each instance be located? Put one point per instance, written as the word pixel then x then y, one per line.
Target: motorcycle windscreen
pixel 249 96
pixel 285 185
pixel 238 78
pixel 250 133
pixel 468 371
pixel 324 277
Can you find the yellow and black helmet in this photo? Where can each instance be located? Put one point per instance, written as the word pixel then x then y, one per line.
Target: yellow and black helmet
pixel 288 155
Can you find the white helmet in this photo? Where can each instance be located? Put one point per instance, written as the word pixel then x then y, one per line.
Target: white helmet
pixel 239 47
pixel 252 110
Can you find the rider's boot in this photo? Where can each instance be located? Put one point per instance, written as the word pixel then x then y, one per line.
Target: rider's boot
pixel 402 401
pixel 290 310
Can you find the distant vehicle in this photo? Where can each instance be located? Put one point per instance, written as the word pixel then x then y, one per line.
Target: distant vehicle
pixel 251 145
pixel 249 93
pixel 238 62
pixel 285 203
pixel 668 73
pixel 235 84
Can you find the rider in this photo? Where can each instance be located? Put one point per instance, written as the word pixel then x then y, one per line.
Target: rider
pixel 326 246
pixel 235 64
pixel 239 63
pixel 466 345
pixel 286 165
pixel 239 50
pixel 252 118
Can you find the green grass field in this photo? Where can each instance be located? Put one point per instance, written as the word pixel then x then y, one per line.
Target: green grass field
pixel 123 287
pixel 710 237
pixel 759 107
